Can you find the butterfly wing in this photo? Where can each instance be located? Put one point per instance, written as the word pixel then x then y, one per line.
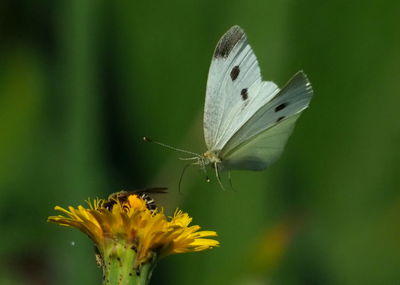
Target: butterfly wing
pixel 261 140
pixel 235 89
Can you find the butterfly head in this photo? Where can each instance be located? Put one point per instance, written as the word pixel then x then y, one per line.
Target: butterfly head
pixel 210 157
pixel 205 159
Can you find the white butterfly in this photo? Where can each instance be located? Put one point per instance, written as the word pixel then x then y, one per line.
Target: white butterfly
pixel 247 121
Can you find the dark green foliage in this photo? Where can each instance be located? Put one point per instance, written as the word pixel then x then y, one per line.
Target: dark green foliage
pixel 81 83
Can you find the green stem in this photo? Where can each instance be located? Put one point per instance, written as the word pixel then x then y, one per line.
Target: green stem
pixel 119 266
pixel 145 274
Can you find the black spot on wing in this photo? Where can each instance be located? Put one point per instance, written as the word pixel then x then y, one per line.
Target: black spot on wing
pixel 228 41
pixel 235 72
pixel 280 107
pixel 244 94
pixel 280 119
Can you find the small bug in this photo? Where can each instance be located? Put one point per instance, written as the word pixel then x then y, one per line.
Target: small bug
pixel 145 193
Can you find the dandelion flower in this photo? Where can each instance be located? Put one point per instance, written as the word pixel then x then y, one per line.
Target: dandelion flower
pixel 130 237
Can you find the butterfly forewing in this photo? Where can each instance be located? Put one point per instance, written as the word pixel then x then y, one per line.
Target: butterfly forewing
pixel 235 89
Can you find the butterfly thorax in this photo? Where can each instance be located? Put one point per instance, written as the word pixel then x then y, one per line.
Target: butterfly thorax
pixel 211 157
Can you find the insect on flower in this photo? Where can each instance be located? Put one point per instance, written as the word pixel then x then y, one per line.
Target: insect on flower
pixel 130 238
pixel 145 194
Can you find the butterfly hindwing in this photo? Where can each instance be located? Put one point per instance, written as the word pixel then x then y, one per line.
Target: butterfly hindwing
pixel 262 150
pixel 262 138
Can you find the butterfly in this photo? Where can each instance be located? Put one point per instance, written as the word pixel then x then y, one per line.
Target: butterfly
pixel 247 121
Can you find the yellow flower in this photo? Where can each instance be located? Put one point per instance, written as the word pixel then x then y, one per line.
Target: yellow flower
pixel 129 225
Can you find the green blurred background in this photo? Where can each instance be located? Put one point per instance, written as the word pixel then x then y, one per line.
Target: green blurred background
pixel 82 81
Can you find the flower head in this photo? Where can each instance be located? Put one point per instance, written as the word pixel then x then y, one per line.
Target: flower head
pixel 130 224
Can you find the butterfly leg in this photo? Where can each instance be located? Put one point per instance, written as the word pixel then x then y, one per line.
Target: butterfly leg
pixel 204 168
pixel 182 174
pixel 217 175
pixel 230 181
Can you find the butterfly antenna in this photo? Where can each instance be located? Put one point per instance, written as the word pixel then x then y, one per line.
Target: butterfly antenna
pixel 146 139
pixel 218 178
pixel 181 177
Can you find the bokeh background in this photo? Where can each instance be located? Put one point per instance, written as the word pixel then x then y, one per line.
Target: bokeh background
pixel 82 81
